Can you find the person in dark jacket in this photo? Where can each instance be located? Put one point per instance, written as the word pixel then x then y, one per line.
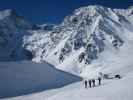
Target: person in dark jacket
pixel 99 80
pixel 89 83
pixel 85 83
pixel 93 82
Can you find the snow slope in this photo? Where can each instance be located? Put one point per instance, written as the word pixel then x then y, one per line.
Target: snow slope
pixel 112 89
pixel 19 78
pixel 109 90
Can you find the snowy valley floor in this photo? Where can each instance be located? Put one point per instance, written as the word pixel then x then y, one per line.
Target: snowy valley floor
pixel 22 78
pixel 109 90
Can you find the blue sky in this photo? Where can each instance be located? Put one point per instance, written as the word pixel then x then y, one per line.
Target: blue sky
pixel 54 11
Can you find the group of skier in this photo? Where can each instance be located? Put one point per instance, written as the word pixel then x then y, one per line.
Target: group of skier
pixel 92 82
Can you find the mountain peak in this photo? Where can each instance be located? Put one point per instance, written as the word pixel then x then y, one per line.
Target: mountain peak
pixel 6 13
pixel 90 9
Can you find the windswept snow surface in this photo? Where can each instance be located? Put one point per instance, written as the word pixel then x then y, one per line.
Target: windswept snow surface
pixel 109 90
pixel 19 78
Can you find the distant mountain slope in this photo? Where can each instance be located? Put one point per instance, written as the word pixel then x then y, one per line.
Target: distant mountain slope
pixel 19 78
pixel 12 29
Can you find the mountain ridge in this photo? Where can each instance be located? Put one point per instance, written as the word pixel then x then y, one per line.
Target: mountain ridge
pixel 81 38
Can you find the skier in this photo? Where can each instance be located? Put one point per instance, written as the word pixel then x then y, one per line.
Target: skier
pixel 89 83
pixel 85 83
pixel 99 80
pixel 93 81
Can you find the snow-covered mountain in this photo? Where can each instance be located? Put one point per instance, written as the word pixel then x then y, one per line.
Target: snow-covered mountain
pixel 91 38
pixel 12 29
pixel 88 37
